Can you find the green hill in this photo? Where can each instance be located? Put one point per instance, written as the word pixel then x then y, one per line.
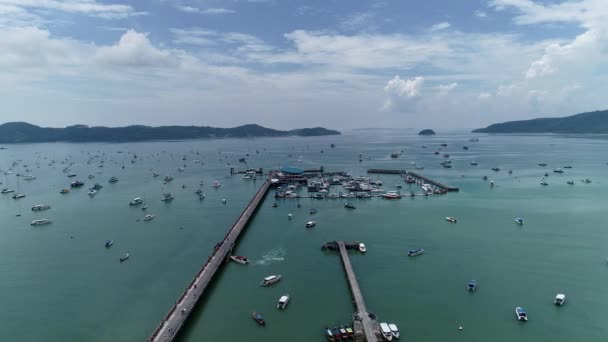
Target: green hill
pixel 591 122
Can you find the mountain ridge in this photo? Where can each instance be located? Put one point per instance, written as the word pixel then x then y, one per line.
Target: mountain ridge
pixel 588 122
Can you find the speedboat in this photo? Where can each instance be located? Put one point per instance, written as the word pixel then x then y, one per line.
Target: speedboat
pixel 41 207
pixel 349 206
pixel 362 247
pixel 560 299
pixel 258 318
pixel 282 304
pixel 92 192
pixel 394 330
pixel 109 243
pixel 415 252
pixel 167 197
pixel 521 314
pixel 7 191
pixel 570 182
pixel 311 224
pixel 40 222
pixel 125 257
pixel 149 217
pixel 18 196
pixel 472 285
pixel 136 201
pixel 239 259
pixel 391 195
pixel 386 332
pixel 451 219
pixel 270 280
pixel 519 220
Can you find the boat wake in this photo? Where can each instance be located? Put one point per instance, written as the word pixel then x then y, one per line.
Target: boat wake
pixel 273 256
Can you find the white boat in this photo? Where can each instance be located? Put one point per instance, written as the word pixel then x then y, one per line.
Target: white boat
pixel 136 201
pixel 28 177
pixel 386 332
pixel 41 207
pixel 239 259
pixel 451 219
pixel 394 330
pixel 7 191
pixel 519 220
pixel 289 216
pixel 216 184
pixel 543 182
pixel 270 280
pixel 521 314
pixel 167 197
pixel 92 192
pixel 415 252
pixel 391 195
pixel 125 257
pixel 586 180
pixel 362 247
pixel 311 224
pixel 246 177
pixel 18 196
pixel 282 304
pixel 570 182
pixel 560 299
pixel 149 217
pixel 40 222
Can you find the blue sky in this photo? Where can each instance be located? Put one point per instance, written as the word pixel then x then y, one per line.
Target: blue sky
pixel 287 64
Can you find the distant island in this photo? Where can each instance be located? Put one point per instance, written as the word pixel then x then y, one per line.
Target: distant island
pixel 427 132
pixel 20 132
pixel 591 122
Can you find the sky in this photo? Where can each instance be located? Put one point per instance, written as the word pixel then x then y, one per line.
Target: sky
pixel 285 64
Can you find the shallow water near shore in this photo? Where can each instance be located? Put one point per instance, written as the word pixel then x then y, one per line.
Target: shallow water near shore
pixel 60 283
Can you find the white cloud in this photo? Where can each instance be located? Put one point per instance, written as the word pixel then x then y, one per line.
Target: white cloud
pixel 88 7
pixel 402 94
pixel 484 96
pixel 207 11
pixel 133 49
pixel 480 14
pixel 446 88
pixel 440 26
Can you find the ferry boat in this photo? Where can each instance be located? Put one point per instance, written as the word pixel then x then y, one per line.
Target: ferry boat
pixel 282 304
pixel 415 252
pixel 76 184
pixel 40 222
pixel 394 330
pixel 149 217
pixel 362 247
pixel 113 180
pixel 519 220
pixel 349 206
pixel 258 318
pixel 560 299
pixel 64 191
pixel 472 285
pixel 311 224
pixel 239 259
pixel 7 191
pixel 125 257
pixel 136 201
pixel 521 314
pixel 109 243
pixel 451 219
pixel 270 280
pixel 386 332
pixel 391 195
pixel 41 207
pixel 167 197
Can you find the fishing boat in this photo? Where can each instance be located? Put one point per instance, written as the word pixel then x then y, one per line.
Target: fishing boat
pixel 451 219
pixel 519 220
pixel 560 299
pixel 40 222
pixel 415 252
pixel 149 217
pixel 125 257
pixel 136 201
pixel 521 314
pixel 41 207
pixel 239 259
pixel 258 318
pixel 109 243
pixel 362 247
pixel 282 304
pixel 394 330
pixel 349 206
pixel 386 331
pixel 472 285
pixel 270 280
pixel 311 224
pixel 167 197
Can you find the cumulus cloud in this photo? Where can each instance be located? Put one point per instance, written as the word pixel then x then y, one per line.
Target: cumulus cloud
pixel 401 94
pixel 446 88
pixel 133 49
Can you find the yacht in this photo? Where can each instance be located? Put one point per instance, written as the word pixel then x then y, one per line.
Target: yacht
pixel 349 206
pixel 519 220
pixel 7 191
pixel 521 314
pixel 451 219
pixel 472 285
pixel 167 197
pixel 92 192
pixel 239 259
pixel 270 280
pixel 149 217
pixel 362 247
pixel 386 332
pixel 136 201
pixel 415 252
pixel 41 207
pixel 311 224
pixel 258 318
pixel 282 304
pixel 394 330
pixel 40 222
pixel 391 195
pixel 18 196
pixel 109 243
pixel 560 299
pixel 125 257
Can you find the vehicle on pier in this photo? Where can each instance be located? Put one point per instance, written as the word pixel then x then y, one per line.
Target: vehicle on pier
pixel 415 252
pixel 311 224
pixel 386 332
pixel 521 314
pixel 394 330
pixel 282 304
pixel 472 285
pixel 451 219
pixel 270 280
pixel 258 318
pixel 239 259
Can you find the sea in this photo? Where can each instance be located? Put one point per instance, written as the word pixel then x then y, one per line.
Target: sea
pixel 60 283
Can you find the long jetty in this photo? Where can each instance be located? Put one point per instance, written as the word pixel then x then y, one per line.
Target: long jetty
pixel 366 328
pixel 179 313
pixel 418 177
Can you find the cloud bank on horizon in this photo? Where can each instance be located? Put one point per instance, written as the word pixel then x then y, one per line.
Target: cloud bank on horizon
pixel 339 64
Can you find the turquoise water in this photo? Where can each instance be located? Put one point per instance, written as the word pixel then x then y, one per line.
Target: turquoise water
pixel 59 282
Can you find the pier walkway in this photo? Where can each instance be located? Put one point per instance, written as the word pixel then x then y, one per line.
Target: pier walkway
pixel 177 316
pixel 418 177
pixel 363 316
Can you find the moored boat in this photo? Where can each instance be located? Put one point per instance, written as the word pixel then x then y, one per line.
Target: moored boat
pixel 41 207
pixel 149 217
pixel 40 222
pixel 391 195
pixel 92 192
pixel 362 247
pixel 239 259
pixel 76 184
pixel 386 332
pixel 18 196
pixel 64 191
pixel 311 224
pixel 125 257
pixel 472 285
pixel 519 220
pixel 136 201
pixel 560 299
pixel 109 243
pixel 415 252
pixel 349 206
pixel 270 280
pixel 451 219
pixel 282 304
pixel 394 330
pixel 521 314
pixel 7 191
pixel 167 197
pixel 258 318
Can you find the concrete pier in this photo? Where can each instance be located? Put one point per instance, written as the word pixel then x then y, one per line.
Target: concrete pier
pixel 364 326
pixel 418 177
pixel 177 316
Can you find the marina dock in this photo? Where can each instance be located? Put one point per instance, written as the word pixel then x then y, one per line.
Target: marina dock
pixel 177 316
pixel 418 177
pixel 365 327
